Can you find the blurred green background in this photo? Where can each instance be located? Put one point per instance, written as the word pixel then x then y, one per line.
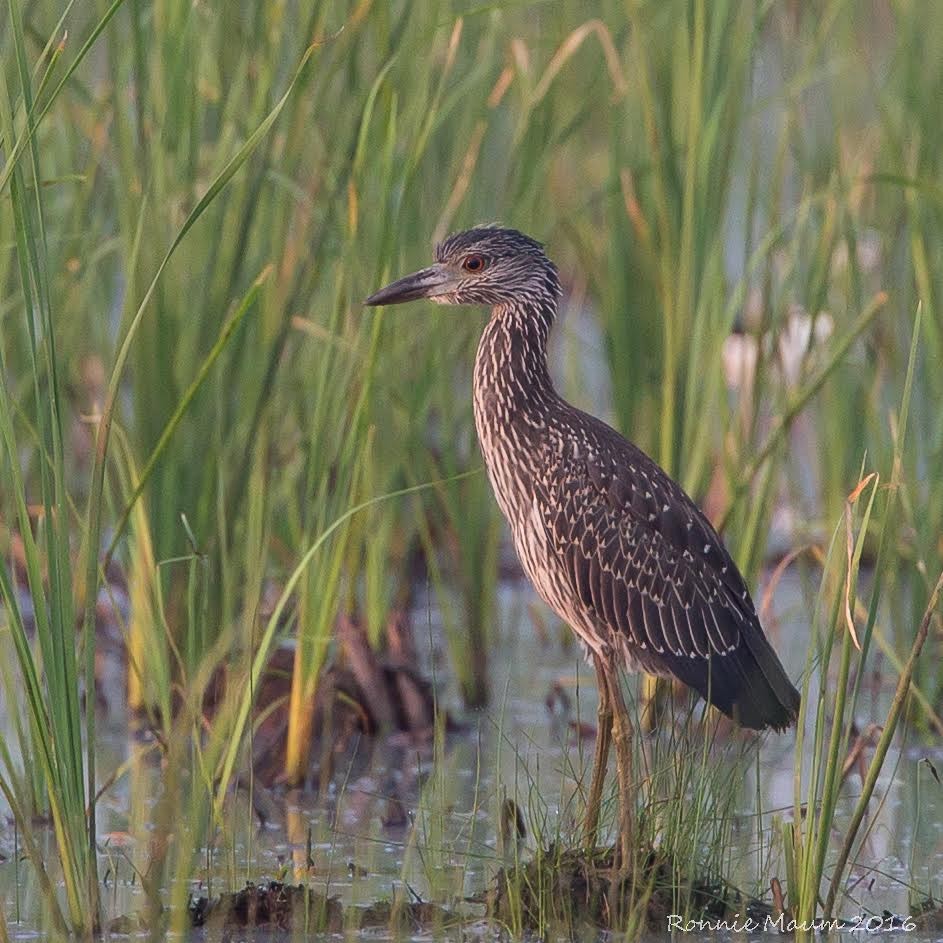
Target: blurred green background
pixel 745 201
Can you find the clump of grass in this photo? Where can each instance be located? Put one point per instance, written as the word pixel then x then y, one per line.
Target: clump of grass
pixel 566 890
pixel 690 792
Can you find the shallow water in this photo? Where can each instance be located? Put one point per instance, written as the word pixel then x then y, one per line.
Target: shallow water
pixel 519 748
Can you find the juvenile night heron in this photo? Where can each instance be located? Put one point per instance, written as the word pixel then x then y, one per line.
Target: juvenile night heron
pixel 609 540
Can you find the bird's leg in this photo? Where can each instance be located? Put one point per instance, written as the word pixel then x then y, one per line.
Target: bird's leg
pixel 622 737
pixel 601 755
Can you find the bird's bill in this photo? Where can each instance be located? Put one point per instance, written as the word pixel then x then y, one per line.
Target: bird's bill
pixel 426 283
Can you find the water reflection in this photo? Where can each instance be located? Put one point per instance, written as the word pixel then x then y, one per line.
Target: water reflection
pixel 401 817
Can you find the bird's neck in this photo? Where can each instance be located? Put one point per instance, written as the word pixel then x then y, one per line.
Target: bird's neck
pixel 512 379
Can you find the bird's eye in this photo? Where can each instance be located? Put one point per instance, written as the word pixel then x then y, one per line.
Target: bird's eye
pixel 474 263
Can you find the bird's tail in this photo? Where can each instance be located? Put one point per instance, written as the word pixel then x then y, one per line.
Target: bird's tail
pixel 748 684
pixel 770 698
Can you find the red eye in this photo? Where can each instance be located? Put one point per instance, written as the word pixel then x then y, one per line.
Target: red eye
pixel 474 263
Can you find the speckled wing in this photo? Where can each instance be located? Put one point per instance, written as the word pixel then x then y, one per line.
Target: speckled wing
pixel 646 566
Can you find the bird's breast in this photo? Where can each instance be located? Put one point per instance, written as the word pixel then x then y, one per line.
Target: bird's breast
pixel 520 453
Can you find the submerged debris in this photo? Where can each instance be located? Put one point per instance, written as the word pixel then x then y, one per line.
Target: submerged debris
pixel 558 890
pixel 928 916
pixel 402 917
pixel 273 906
pixel 360 693
pixel 562 889
pixel 288 907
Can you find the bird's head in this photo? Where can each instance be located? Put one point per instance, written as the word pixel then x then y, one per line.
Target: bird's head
pixel 486 265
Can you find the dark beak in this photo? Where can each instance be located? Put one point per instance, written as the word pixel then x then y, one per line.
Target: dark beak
pixel 426 283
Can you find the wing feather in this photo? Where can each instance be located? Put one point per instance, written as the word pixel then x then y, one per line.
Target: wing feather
pixel 652 576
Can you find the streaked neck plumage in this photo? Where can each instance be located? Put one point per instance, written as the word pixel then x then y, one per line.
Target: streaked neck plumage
pixel 512 379
pixel 515 402
pixel 511 374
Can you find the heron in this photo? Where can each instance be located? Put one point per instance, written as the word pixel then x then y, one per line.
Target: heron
pixel 607 538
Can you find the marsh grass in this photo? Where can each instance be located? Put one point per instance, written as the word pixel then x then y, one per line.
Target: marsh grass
pixel 691 788
pixel 55 720
pixel 844 627
pixel 193 200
